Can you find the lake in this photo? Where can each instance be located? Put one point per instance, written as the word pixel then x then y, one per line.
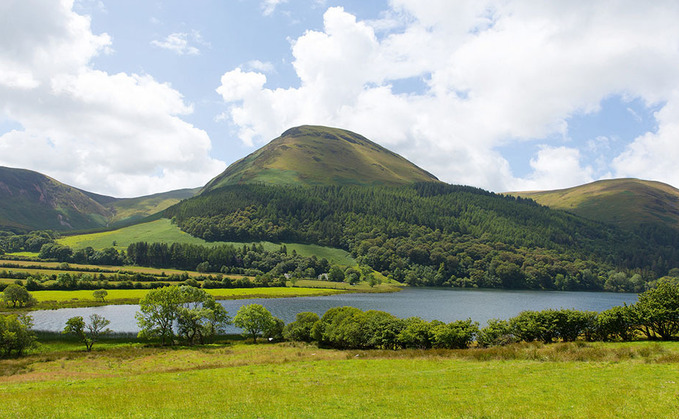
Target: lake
pixel 428 303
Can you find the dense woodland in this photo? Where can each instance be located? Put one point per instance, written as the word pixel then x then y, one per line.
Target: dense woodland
pixel 434 234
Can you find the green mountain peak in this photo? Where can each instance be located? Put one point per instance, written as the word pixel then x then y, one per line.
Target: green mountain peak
pixel 316 155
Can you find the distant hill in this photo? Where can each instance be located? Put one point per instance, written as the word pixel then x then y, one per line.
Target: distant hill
pixel 315 155
pixel 627 203
pixel 32 201
pixel 128 211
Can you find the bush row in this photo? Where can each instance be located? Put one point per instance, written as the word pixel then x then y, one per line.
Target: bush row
pixel 654 316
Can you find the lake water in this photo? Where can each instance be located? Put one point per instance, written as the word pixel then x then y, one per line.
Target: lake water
pixel 428 303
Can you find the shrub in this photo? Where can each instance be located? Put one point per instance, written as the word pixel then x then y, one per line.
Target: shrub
pixel 456 335
pixel 497 332
pixel 300 329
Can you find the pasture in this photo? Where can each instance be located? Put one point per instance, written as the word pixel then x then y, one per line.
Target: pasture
pixel 236 379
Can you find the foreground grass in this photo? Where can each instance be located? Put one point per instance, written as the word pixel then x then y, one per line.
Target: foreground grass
pixel 294 380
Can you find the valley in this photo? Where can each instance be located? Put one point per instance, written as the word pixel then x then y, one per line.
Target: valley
pixel 320 213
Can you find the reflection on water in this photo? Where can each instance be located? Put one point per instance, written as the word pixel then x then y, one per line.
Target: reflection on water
pixel 428 303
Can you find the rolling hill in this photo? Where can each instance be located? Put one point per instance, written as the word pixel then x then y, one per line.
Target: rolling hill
pixel 32 201
pixel 627 203
pixel 314 155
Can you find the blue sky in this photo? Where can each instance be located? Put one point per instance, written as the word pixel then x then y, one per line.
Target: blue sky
pixel 135 97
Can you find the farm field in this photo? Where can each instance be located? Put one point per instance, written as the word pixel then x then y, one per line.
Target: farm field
pixel 163 231
pixel 55 268
pixel 52 299
pixel 237 379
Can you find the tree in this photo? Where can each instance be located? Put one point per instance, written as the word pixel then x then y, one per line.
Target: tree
pixel 199 316
pixel 100 295
pixel 254 319
pixel 191 312
pixel 157 313
pixel 657 311
pixel 336 274
pixel 16 334
pixel 17 295
pixel 90 332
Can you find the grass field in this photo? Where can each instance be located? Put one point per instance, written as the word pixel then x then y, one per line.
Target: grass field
pixel 294 380
pixel 163 231
pixel 81 298
pixel 360 287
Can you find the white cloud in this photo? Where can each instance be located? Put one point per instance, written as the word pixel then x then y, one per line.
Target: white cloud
pixel 180 43
pixel 496 72
pixel 654 155
pixel 556 168
pixel 269 6
pixel 264 67
pixel 118 134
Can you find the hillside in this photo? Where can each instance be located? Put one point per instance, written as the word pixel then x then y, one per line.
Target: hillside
pixel 32 201
pixel 627 203
pixel 335 188
pixel 314 155
pixel 131 210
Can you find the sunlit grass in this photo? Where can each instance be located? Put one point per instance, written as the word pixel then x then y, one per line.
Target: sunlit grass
pixel 163 231
pixel 50 299
pixel 295 380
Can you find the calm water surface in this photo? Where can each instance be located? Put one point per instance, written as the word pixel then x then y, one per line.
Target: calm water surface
pixel 441 304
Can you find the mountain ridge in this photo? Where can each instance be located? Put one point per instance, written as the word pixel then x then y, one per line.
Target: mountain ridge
pixel 30 200
pixel 625 202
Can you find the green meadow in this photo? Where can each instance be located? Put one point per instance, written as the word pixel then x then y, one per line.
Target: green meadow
pixel 237 379
pixel 163 231
pixel 53 299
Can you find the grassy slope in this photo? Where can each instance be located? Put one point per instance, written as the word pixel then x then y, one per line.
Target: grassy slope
pixel 321 155
pixel 285 380
pixel 163 231
pixel 131 209
pixel 619 201
pixel 31 200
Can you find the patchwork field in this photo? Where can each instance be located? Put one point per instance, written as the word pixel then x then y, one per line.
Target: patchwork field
pixel 295 380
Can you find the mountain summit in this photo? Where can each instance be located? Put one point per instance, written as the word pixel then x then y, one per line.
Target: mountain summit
pixel 315 155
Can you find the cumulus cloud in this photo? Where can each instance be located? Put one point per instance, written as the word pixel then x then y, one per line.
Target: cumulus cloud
pixel 120 134
pixel 181 43
pixel 654 155
pixel 495 73
pixel 554 167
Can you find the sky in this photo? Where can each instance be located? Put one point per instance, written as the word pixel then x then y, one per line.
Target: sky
pixel 128 98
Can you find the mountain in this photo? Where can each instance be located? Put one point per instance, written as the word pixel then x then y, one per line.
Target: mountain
pixel 315 155
pixel 627 203
pixel 335 188
pixel 128 211
pixel 32 201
